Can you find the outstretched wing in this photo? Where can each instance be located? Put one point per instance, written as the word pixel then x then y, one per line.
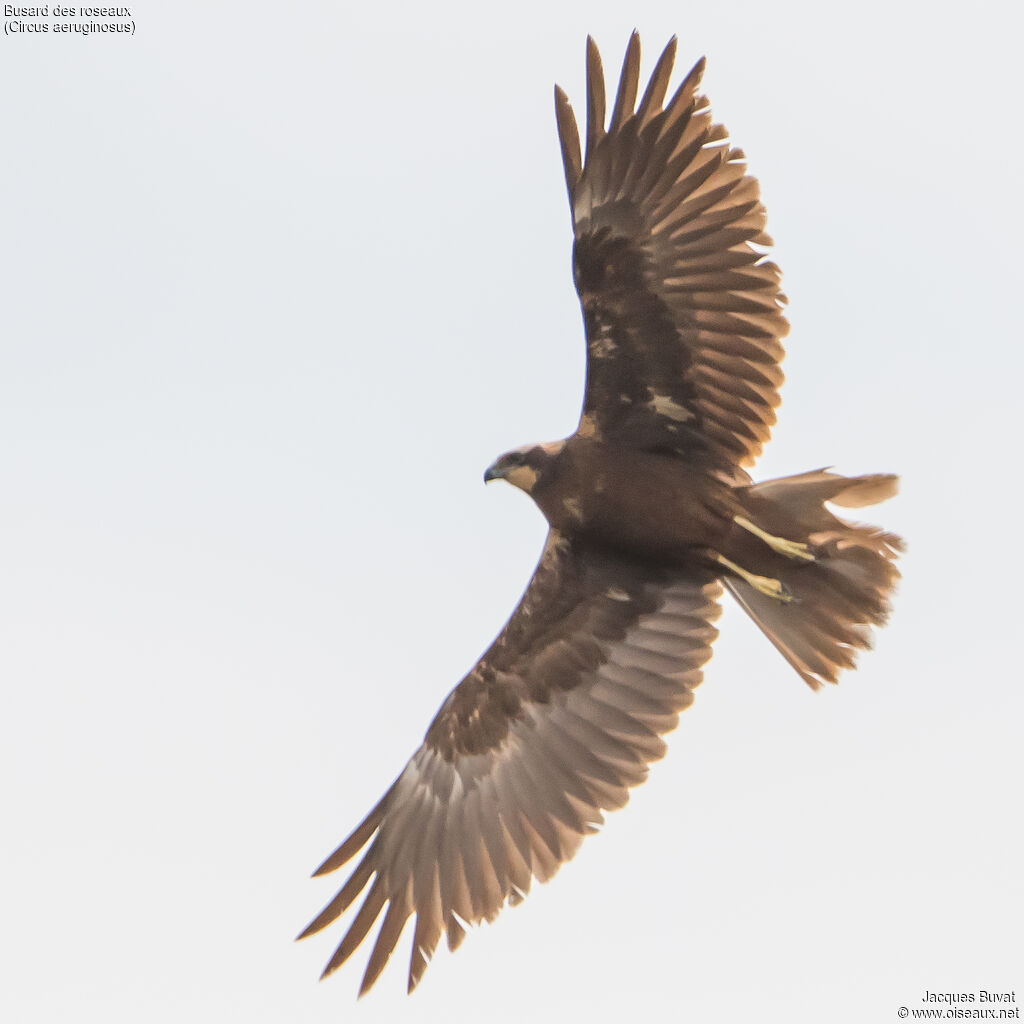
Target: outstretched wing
pixel 556 721
pixel 681 309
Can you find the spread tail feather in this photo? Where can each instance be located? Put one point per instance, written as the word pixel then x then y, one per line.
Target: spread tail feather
pixel 844 591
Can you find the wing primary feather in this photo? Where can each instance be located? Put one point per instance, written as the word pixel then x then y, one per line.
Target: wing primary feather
pixel 654 94
pixel 454 889
pixel 670 153
pixel 569 139
pixel 357 840
pixel 424 870
pixel 595 97
pixel 520 873
pixel 703 164
pixel 625 98
pixel 682 98
pixel 517 843
pixel 472 866
pixel 427 933
pixel 349 891
pixel 492 860
pixel 368 913
pixel 387 938
pixel 455 933
pixel 545 861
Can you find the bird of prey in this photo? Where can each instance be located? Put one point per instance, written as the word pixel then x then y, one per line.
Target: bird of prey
pixel 651 514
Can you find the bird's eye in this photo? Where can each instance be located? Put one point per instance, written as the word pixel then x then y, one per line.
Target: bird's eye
pixel 515 459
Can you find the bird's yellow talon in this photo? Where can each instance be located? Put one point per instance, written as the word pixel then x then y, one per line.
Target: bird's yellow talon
pixel 790 548
pixel 767 585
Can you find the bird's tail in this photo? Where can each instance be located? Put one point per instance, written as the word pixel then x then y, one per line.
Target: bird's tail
pixel 829 604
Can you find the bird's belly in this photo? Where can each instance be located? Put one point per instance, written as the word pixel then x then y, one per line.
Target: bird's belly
pixel 650 515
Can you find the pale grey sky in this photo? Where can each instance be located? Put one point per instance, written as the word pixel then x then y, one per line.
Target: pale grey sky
pixel 278 282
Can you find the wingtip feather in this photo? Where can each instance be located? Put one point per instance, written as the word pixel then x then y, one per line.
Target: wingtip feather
pixel 569 141
pixel 629 83
pixel 654 94
pixel 595 96
pixel 359 837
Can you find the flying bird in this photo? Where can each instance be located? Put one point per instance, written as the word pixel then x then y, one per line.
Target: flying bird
pixel 651 514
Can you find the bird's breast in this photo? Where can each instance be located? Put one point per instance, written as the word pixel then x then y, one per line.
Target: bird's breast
pixel 653 506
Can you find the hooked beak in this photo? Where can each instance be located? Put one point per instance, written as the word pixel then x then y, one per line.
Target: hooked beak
pixel 493 472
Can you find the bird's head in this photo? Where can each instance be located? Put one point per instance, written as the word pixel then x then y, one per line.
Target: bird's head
pixel 524 467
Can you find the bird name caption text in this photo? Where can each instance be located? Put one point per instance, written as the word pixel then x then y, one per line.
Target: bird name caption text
pixel 58 20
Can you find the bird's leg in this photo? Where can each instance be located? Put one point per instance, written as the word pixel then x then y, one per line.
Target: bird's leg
pixel 766 585
pixel 789 548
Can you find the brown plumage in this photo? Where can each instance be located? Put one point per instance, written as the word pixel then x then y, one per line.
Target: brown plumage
pixel 650 512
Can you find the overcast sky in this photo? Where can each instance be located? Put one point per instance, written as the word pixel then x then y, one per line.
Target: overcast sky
pixel 278 282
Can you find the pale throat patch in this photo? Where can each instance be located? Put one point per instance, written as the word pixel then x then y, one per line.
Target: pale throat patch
pixel 523 477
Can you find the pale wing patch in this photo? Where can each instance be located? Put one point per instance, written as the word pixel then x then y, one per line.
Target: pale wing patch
pixel 665 405
pixel 573 508
pixel 602 347
pixel 587 427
